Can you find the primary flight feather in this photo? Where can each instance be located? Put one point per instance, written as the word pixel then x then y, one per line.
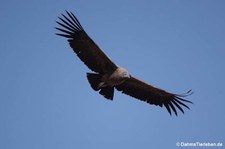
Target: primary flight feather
pixel 108 75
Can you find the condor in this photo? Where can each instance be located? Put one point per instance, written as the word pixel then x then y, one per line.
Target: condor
pixel 108 76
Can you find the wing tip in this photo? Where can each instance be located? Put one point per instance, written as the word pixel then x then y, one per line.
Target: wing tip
pixel 70 25
pixel 177 102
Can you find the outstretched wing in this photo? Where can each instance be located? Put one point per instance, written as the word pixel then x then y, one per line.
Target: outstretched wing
pixel 152 95
pixel 83 45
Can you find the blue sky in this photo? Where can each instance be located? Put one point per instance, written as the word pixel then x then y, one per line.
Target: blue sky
pixel 46 101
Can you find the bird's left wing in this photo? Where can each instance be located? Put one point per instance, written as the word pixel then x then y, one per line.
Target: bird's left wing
pixel 152 95
pixel 85 48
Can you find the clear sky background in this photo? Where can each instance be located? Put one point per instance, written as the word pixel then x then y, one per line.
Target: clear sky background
pixel 47 103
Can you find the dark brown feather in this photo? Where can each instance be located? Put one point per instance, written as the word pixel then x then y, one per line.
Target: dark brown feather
pixel 152 95
pixel 84 46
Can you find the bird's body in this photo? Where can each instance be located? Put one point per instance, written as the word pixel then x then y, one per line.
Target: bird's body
pixel 108 81
pixel 108 76
pixel 117 77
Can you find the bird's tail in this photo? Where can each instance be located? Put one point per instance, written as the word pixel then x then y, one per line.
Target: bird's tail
pixel 96 83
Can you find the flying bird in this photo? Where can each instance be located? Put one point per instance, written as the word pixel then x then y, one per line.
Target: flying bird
pixel 107 76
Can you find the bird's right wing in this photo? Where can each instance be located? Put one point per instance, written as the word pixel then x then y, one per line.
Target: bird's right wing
pixel 83 45
pixel 152 95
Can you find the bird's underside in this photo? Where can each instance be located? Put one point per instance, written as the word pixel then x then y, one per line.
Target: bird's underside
pixel 108 76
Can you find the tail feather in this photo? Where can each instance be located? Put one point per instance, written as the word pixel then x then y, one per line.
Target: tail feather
pixel 96 83
pixel 107 92
pixel 94 80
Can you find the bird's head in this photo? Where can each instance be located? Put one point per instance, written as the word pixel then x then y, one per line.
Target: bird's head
pixel 124 73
